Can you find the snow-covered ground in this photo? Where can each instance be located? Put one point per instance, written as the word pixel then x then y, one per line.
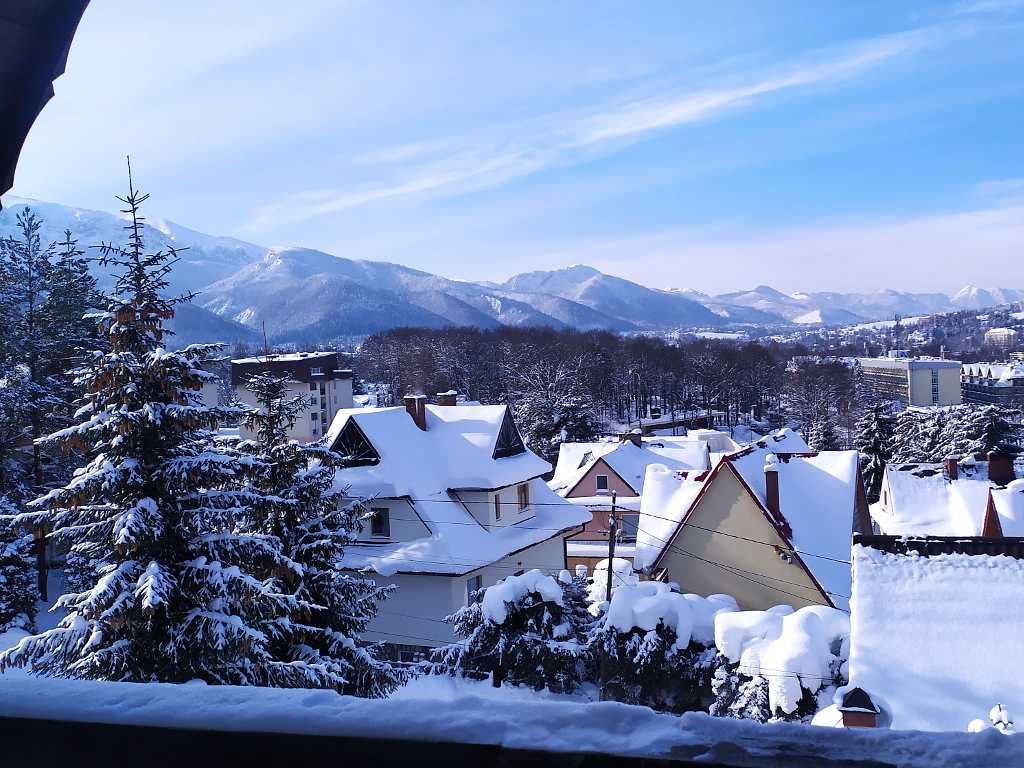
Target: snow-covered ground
pixel 475 713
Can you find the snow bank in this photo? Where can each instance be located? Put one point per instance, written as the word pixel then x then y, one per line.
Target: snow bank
pixel 469 714
pixel 938 641
pixel 793 650
pixel 512 589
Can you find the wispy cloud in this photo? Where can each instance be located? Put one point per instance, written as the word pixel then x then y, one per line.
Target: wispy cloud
pixel 508 152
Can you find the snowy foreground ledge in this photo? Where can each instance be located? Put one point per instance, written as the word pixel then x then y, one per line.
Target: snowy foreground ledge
pixel 477 714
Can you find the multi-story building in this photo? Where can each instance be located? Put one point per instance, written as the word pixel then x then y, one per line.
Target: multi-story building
pixel 1004 338
pixel 457 502
pixel 316 377
pixel 914 381
pixel 993 383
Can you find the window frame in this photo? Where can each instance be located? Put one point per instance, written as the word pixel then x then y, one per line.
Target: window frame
pixel 597 482
pixel 523 496
pixel 497 506
pixel 478 580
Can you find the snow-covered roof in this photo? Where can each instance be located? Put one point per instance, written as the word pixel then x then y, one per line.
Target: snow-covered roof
pixel 818 498
pixel 922 501
pixel 668 496
pixel 784 440
pixel 290 357
pixel 454 452
pixel 1009 505
pixel 937 641
pixel 1000 374
pixel 627 460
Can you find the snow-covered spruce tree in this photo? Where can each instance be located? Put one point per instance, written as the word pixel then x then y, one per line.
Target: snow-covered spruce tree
pixel 657 664
pixel 27 272
pixel 17 573
pixel 293 500
pixel 154 511
pixel 824 436
pixel 994 429
pixel 69 330
pixel 519 633
pixel 874 442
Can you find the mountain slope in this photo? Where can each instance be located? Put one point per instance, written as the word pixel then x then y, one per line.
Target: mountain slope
pixel 629 302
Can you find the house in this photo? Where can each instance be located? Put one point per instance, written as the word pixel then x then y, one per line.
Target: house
pixel 937 629
pixel 951 498
pixel 993 383
pixel 764 528
pixel 592 474
pixel 316 377
pixel 457 504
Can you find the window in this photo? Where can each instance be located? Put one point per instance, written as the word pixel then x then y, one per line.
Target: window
pixel 524 496
pixel 312 385
pixel 497 506
pixel 314 416
pixel 380 522
pixel 473 586
pixel 312 400
pixel 602 483
pixel 317 372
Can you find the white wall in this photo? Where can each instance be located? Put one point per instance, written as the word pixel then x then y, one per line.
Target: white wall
pixel 405 524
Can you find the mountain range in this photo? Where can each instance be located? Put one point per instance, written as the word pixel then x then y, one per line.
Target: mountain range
pixel 304 295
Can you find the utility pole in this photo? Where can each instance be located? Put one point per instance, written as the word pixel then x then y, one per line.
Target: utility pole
pixel 613 531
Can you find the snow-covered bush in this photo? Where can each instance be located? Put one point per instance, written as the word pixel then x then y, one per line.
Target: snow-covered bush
pixel 777 664
pixel 522 631
pixel 622 576
pixel 18 590
pixel 652 646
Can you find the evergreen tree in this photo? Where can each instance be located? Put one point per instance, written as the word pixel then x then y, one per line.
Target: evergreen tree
pixel 27 272
pixel 17 573
pixel 823 435
pixel 154 511
pixel 644 667
pixel 294 501
pixel 874 442
pixel 519 632
pixel 991 429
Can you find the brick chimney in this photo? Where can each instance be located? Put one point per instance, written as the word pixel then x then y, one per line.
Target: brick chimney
pixel 447 398
pixel 952 467
pixel 634 436
pixel 416 405
pixel 771 494
pixel 1000 468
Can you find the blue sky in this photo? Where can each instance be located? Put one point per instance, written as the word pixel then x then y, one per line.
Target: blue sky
pixel 809 145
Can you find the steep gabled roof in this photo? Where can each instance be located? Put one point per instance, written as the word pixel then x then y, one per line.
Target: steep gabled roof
pixel 456 452
pixel 922 501
pixel 627 460
pixel 818 497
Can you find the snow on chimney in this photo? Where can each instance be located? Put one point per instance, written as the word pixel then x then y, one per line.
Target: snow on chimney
pixel 416 405
pixel 1000 468
pixel 952 468
pixel 447 398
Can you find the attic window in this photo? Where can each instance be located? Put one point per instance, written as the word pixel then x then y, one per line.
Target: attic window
pixel 509 443
pixel 602 482
pixel 353 444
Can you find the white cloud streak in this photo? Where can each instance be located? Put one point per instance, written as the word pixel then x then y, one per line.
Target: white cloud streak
pixel 517 150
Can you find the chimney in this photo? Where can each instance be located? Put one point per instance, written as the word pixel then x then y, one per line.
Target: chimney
pixel 952 468
pixel 771 493
pixel 634 436
pixel 416 405
pixel 1000 468
pixel 447 398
